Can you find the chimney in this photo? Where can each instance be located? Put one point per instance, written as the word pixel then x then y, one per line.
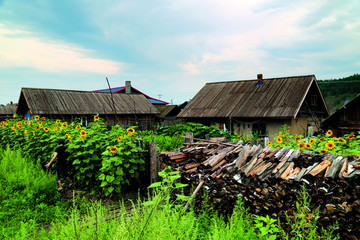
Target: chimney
pixel 11 103
pixel 127 86
pixel 259 79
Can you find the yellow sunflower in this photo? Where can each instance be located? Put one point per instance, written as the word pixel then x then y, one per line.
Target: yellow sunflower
pixel 321 139
pixel 113 149
pixel 37 118
pixel 279 140
pixel 329 133
pixel 301 145
pixel 342 141
pixel 78 127
pixel 19 126
pixel 308 146
pixel 351 136
pixel 269 143
pixel 96 118
pixel 43 118
pixel 64 125
pixel 330 145
pixel 39 123
pixel 297 138
pixel 83 133
pixel 26 132
pixel 312 141
pixel 119 138
pixel 46 129
pixel 322 151
pixel 58 121
pixel 130 131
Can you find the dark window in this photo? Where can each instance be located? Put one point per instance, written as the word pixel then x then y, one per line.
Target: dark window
pixel 260 128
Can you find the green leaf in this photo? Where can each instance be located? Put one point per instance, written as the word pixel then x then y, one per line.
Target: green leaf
pixel 110 178
pixel 119 171
pixel 102 177
pixel 103 184
pixel 126 165
pixel 131 171
pixel 110 189
pixel 154 185
pixel 180 185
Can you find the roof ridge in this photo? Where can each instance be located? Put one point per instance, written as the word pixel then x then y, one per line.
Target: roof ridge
pixel 246 80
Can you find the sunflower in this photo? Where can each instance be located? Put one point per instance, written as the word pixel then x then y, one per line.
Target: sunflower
pixel 26 132
pixel 78 127
pixel 308 146
pixel 301 145
pixel 312 141
pixel 38 127
pixel 321 139
pixel 39 123
pixel 322 151
pixel 58 121
pixel 130 131
pixel 330 145
pixel 351 136
pixel 269 143
pixel 46 129
pixel 113 149
pixel 83 133
pixel 96 118
pixel 329 133
pixel 19 126
pixel 64 125
pixel 279 140
pixel 43 118
pixel 297 138
pixel 341 140
pixel 37 118
pixel 119 138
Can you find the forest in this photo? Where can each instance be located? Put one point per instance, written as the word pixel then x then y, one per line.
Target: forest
pixel 338 91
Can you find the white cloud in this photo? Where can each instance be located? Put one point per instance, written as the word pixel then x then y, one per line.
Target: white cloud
pixel 20 49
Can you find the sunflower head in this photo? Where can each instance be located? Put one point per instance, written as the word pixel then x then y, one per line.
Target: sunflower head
pixel 312 141
pixel 46 129
pixel 130 131
pixel 330 145
pixel 308 146
pixel 58 121
pixel 329 133
pixel 37 118
pixel 120 138
pixel 83 133
pixel 113 149
pixel 64 125
pixel 96 118
pixel 322 151
pixel 342 141
pixel 301 145
pixel 78 127
pixel 43 118
pixel 269 143
pixel 351 136
pixel 321 139
pixel 297 138
pixel 279 140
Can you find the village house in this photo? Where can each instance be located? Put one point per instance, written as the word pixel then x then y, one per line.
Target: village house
pixel 261 105
pixel 68 105
pixel 345 120
pixel 7 111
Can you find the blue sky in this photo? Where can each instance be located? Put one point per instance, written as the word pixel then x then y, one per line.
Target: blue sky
pixel 169 49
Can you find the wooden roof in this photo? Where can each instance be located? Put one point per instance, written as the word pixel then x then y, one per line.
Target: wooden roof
pixel 54 101
pixel 275 98
pixel 8 109
pixel 167 110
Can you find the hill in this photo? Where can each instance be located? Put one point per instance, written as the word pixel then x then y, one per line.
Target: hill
pixel 337 91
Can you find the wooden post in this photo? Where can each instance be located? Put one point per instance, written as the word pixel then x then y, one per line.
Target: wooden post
pixel 154 163
pixel 189 137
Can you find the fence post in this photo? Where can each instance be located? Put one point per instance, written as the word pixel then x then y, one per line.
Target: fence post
pixel 154 163
pixel 189 137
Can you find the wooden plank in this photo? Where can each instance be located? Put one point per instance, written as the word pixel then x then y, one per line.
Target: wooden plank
pixel 154 163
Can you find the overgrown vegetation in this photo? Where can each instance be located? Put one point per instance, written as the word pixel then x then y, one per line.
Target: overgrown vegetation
pixel 337 91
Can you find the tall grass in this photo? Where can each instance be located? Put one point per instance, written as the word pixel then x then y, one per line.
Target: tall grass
pixel 28 195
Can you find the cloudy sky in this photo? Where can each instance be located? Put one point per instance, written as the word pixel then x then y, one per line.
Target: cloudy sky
pixel 169 49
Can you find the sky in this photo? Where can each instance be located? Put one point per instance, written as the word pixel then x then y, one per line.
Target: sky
pixel 169 49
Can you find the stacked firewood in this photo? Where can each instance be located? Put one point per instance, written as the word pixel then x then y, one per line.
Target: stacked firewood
pixel 270 180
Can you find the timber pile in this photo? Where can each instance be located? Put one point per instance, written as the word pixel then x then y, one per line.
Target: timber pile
pixel 269 181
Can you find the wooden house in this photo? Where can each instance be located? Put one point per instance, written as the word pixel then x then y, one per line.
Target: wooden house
pixel 168 113
pixel 68 105
pixel 345 120
pixel 7 111
pixel 129 89
pixel 262 105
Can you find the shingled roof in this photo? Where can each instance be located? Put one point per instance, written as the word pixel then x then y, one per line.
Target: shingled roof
pixel 275 98
pixel 54 101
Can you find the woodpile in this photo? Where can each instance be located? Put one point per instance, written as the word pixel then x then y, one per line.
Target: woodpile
pixel 270 180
